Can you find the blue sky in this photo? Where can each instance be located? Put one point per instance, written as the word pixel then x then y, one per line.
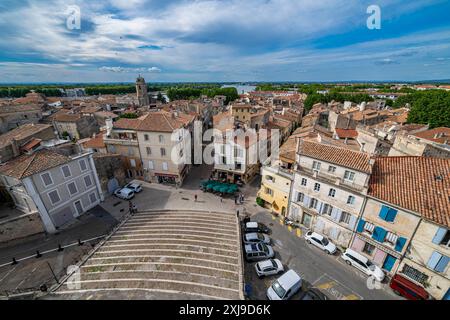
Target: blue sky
pixel 223 40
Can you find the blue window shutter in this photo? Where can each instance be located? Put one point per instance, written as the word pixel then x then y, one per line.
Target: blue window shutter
pixel 391 214
pixel 361 224
pixel 389 262
pixel 379 234
pixel 352 222
pixel 434 260
pixel 442 264
pixel 383 212
pixel 400 244
pixel 440 234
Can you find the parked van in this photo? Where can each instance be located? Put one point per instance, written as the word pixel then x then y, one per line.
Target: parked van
pixel 360 262
pixel 285 287
pixel 408 289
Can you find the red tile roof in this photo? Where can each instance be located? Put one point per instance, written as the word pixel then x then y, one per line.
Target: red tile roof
pixel 419 184
pixel 346 133
pixel 28 165
pixel 439 135
pixel 358 161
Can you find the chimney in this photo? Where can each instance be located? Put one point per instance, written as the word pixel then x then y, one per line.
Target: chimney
pixel 15 147
pixel 109 126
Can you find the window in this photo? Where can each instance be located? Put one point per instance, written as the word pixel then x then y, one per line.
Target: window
pixel 345 217
pixel 222 149
pixel 369 227
pixel 304 182
pixel 387 214
pixel 161 138
pixel 165 167
pixel 300 197
pixel 331 169
pixel 349 175
pixel 313 204
pixel 332 193
pixel 442 237
pixel 66 171
pixel 163 152
pixel 72 188
pixel 133 163
pixel 149 151
pixel 351 200
pixel 415 274
pixel 391 238
pixel 327 209
pixel 146 138
pixel 54 197
pixel 151 166
pixel 83 165
pixel 130 151
pixel 368 248
pixel 238 166
pixel 269 191
pixel 224 160
pixel 93 198
pixel 181 153
pixel 47 179
pixel 316 165
pixel 111 148
pixel 87 181
pixel 317 187
pixel 438 262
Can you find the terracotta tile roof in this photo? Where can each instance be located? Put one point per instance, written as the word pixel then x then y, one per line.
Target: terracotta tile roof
pixel 30 145
pixel 28 165
pixel 419 184
pixel 163 121
pixel 22 132
pixel 127 124
pixel 19 108
pixel 95 142
pixel 346 133
pixel 439 135
pixel 358 161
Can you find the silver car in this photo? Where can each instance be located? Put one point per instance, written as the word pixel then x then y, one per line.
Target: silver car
pixel 254 237
pixel 269 268
pixel 258 252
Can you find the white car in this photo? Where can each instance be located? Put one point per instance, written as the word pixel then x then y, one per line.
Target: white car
pixel 124 193
pixel 269 268
pixel 285 287
pixel 136 187
pixel 353 258
pixel 320 242
pixel 254 237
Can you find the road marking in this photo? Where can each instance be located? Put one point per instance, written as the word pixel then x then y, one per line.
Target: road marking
pixel 299 233
pixel 351 297
pixel 327 285
pixel 8 273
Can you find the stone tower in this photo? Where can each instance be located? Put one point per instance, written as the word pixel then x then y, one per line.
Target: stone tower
pixel 141 91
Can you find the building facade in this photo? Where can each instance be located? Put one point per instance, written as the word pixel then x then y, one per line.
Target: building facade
pixel 59 187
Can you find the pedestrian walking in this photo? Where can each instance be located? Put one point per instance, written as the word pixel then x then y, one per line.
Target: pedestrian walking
pixel 235 198
pixel 195 197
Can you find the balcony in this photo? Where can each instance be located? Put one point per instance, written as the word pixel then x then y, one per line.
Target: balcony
pixel 123 142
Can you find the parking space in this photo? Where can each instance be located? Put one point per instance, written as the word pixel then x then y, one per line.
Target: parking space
pixel 327 273
pixel 178 253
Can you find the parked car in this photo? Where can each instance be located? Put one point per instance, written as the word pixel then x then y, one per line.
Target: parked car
pixel 360 262
pixel 258 252
pixel 314 294
pixel 136 187
pixel 251 227
pixel 269 268
pixel 124 193
pixel 320 242
pixel 256 238
pixel 408 289
pixel 285 287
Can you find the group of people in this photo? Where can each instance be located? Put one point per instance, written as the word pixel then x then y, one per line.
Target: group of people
pixel 239 199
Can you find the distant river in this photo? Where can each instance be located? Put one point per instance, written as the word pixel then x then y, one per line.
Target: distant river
pixel 240 88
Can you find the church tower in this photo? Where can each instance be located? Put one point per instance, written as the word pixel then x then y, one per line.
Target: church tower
pixel 141 91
